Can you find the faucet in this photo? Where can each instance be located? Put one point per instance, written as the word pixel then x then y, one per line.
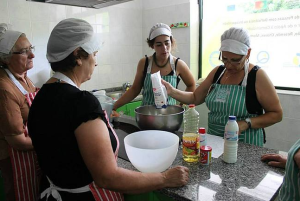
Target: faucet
pixel 126 86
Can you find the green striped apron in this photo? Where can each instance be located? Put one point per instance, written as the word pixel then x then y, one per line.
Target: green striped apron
pixel 290 189
pixel 148 96
pixel 225 100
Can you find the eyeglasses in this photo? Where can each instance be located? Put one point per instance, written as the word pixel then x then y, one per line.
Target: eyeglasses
pixel 25 51
pixel 234 63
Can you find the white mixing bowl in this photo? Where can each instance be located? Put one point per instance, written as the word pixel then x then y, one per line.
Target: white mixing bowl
pixel 151 150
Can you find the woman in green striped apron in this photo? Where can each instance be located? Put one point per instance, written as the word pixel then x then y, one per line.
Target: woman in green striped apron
pixel 290 188
pixel 171 68
pixel 236 88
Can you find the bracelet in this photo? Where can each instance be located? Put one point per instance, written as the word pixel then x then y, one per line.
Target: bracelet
pixel 248 121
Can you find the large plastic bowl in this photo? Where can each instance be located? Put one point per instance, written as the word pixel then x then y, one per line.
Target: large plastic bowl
pixel 151 150
pixel 166 119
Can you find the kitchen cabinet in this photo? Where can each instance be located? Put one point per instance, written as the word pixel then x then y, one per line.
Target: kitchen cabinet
pixel 129 108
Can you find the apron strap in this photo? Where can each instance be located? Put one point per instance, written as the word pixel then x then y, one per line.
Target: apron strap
pixel 53 190
pixel 16 82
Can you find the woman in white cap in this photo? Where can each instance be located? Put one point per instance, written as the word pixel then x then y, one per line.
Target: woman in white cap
pixel 18 162
pixel 172 69
pixel 75 144
pixel 236 88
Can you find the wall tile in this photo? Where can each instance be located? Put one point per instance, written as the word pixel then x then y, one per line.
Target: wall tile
pixel 19 9
pixel 40 33
pixel 4 18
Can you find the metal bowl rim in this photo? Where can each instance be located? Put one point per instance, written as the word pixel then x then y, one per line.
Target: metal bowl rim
pixel 157 115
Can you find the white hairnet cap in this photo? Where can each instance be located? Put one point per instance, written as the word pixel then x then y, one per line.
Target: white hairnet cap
pixel 159 29
pixel 68 35
pixel 235 40
pixel 8 38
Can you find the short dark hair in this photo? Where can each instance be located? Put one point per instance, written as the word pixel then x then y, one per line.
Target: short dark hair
pixel 69 62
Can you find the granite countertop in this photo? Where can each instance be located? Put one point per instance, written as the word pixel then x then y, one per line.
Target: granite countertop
pixel 247 179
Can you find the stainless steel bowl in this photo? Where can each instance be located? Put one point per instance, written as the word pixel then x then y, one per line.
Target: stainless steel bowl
pixel 166 119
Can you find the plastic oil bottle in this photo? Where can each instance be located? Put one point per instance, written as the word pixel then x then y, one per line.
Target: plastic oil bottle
pixel 190 137
pixel 231 140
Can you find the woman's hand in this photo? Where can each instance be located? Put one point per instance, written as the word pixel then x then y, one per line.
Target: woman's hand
pixel 115 114
pixel 168 86
pixel 275 160
pixel 177 176
pixel 297 158
pixel 242 126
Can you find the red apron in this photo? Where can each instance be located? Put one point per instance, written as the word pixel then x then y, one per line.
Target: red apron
pixel 100 194
pixel 26 170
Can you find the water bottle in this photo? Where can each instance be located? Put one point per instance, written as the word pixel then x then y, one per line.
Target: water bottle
pixel 202 133
pixel 231 140
pixel 190 137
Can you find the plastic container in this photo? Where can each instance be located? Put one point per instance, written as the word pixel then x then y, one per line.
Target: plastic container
pixel 202 134
pixel 231 140
pixel 107 104
pixel 151 150
pixel 190 137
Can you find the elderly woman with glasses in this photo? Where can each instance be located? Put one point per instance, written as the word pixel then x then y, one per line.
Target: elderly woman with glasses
pixel 236 88
pixel 18 163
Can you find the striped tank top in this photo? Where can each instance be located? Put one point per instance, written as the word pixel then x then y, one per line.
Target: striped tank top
pixel 225 100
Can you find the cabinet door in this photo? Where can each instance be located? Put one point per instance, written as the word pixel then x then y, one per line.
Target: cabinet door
pixel 131 107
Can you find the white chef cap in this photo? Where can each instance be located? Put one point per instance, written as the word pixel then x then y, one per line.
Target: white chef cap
pixel 68 35
pixel 235 40
pixel 8 38
pixel 159 29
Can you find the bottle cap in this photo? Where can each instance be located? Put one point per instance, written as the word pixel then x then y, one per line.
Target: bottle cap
pixel 232 118
pixel 202 130
pixel 191 105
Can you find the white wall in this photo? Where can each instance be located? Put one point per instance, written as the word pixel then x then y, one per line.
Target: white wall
pixel 119 27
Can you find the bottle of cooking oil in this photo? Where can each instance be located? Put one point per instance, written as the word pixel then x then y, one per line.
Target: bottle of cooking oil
pixel 190 137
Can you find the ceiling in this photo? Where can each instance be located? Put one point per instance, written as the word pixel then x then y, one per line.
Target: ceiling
pixel 84 3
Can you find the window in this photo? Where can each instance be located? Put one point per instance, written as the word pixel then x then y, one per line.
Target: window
pixel 274 27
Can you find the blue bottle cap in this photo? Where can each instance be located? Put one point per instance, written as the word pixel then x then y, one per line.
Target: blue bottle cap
pixel 232 118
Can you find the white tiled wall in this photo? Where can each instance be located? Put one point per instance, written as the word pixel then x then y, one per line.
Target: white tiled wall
pixel 119 28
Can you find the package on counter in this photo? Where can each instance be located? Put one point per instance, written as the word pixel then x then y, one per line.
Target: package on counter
pixel 159 91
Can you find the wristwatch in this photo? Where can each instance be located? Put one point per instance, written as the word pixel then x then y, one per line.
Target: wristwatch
pixel 248 121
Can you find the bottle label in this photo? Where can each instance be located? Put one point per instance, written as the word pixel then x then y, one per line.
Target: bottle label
pixel 231 135
pixel 190 145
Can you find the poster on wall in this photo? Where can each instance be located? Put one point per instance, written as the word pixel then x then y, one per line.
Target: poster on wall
pixel 274 27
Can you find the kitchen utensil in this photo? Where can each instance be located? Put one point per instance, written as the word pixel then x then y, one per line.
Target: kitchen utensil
pixel 166 119
pixel 151 150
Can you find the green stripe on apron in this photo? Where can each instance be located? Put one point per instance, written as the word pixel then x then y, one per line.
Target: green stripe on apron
pixel 148 96
pixel 225 100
